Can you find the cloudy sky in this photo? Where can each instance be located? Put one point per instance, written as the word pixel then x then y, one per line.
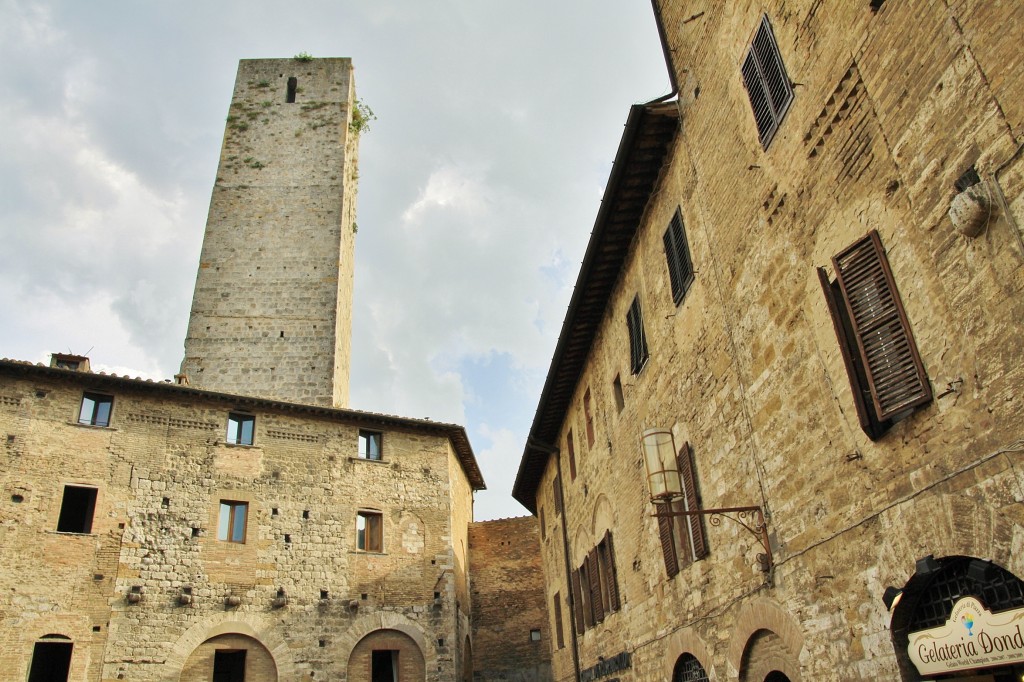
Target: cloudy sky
pixel 479 183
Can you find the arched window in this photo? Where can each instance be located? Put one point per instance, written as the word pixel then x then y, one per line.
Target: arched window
pixel 689 669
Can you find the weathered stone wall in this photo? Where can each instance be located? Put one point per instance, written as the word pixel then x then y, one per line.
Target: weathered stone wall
pixel 271 313
pixel 508 602
pixel 890 108
pixel 161 468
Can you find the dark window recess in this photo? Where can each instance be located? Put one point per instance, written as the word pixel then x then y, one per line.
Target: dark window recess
pixel 886 374
pixel 51 661
pixel 620 398
pixel 677 253
pixel 683 538
pixel 229 665
pixel 876 5
pixel 77 509
pixel 240 428
pixel 384 665
pixel 970 178
pixel 293 87
pixel 689 669
pixel 559 637
pixel 95 409
pixel 370 445
pixel 637 339
pixel 589 414
pixel 766 81
pixel 571 449
pixel 543 524
pixel 535 635
pixel 556 490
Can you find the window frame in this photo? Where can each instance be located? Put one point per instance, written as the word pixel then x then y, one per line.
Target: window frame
pixel 227 532
pixel 570 446
pixel 588 413
pixel 370 436
pixel 887 376
pixel 94 418
pixel 762 69
pixel 83 509
pixel 239 435
pixel 638 350
pixel 677 256
pixel 370 538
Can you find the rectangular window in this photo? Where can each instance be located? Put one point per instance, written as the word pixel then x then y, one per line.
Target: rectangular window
pixel 620 398
pixel 637 339
pixel 768 86
pixel 229 665
pixel 232 521
pixel 51 661
pixel 543 525
pixel 559 637
pixel 570 448
pixel 240 428
pixel 609 575
pixel 886 374
pixel 370 531
pixel 556 490
pixel 293 87
pixel 77 509
pixel 677 253
pixel 589 414
pixel 370 445
pixel 95 409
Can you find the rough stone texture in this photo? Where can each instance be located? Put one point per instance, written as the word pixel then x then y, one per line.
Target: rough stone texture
pixel 890 109
pixel 508 602
pixel 272 309
pixel 161 470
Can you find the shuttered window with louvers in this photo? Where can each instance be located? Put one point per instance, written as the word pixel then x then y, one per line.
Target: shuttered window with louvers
pixel 677 253
pixel 559 637
pixel 607 553
pixel 577 602
pixel 637 338
pixel 694 525
pixel 894 372
pixel 768 86
pixel 666 532
pixel 596 597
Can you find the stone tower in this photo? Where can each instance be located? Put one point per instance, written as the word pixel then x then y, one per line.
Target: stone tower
pixel 272 310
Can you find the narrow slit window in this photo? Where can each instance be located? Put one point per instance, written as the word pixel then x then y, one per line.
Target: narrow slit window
pixel 589 414
pixel 620 397
pixel 637 338
pixel 293 87
pixel 95 409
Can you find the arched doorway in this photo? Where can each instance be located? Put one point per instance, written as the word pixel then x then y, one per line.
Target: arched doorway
pixel 386 656
pixel 766 658
pixel 51 659
pixel 776 676
pixel 230 657
pixel 959 600
pixel 689 669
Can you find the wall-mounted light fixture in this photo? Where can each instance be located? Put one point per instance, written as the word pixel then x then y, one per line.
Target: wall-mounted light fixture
pixel 666 486
pixel 891 597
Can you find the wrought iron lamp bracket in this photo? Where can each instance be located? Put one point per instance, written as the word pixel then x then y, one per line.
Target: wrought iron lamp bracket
pixel 755 524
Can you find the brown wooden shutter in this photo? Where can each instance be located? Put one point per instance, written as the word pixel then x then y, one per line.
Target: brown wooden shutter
pixel 668 545
pixel 577 602
pixel 594 573
pixel 851 361
pixel 695 524
pixel 895 374
pixel 556 491
pixel 613 575
pixel 559 638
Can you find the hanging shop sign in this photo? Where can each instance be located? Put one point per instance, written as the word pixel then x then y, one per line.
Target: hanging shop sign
pixel 607 666
pixel 973 637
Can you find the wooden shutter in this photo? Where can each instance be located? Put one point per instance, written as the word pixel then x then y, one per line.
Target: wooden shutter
pixel 637 338
pixel 594 573
pixel 571 447
pixel 556 491
pixel 895 374
pixel 585 598
pixel 668 544
pixel 768 86
pixel 677 253
pixel 695 524
pixel 559 638
pixel 613 575
pixel 577 602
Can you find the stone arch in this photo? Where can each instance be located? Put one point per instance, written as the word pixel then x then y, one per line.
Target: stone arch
pixel 267 632
pixel 407 657
pixel 759 615
pixel 766 659
pixel 686 641
pixel 364 625
pixel 259 662
pixel 581 544
pixel 603 518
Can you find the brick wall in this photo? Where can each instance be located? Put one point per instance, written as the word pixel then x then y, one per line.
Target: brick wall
pixel 508 602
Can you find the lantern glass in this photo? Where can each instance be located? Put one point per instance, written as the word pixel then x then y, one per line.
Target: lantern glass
pixel 662 468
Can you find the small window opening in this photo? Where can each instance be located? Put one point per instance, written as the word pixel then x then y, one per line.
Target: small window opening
pixel 293 86
pixel 620 398
pixel 273 512
pixel 440 641
pixel 240 428
pixel 51 661
pixel 76 510
pixel 282 334
pixel 305 513
pixel 165 502
pixel 369 531
pixel 324 594
pixel 195 532
pixel 363 596
pixel 323 643
pixel 17 498
pixel 229 665
pixel 287 539
pixel 97 628
pixel 535 635
pixel 370 445
pixel 233 517
pixel 95 409
pixel 384 665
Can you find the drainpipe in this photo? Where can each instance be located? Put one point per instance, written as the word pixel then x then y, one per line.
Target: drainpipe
pixel 667 51
pixel 565 556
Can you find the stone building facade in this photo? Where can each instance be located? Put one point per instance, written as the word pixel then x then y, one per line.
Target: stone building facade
pixel 806 280
pixel 239 524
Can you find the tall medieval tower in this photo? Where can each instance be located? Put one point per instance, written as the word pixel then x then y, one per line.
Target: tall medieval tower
pixel 272 310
